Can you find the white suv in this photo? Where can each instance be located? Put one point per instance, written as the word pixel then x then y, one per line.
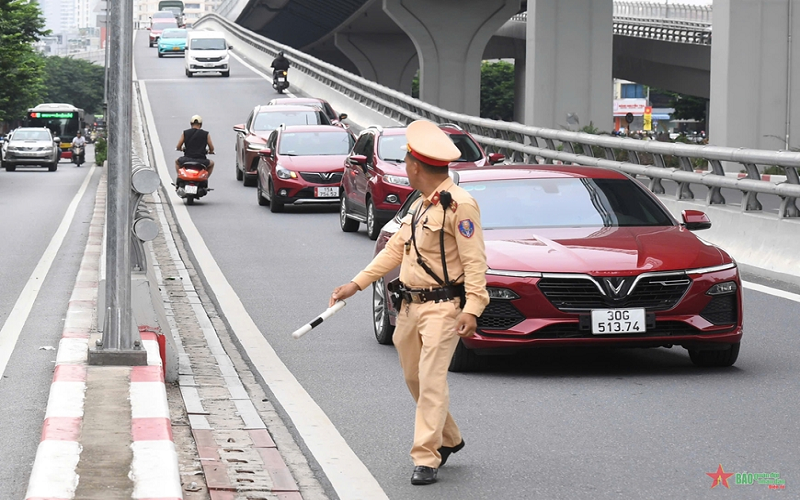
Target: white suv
pixel 30 146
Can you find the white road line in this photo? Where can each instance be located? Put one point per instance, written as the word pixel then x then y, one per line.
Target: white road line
pixel 347 474
pixel 771 291
pixel 257 71
pixel 22 309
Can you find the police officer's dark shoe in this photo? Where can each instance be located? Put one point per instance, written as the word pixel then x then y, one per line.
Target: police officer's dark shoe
pixel 423 475
pixel 445 451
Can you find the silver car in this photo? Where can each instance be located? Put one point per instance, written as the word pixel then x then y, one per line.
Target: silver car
pixel 30 146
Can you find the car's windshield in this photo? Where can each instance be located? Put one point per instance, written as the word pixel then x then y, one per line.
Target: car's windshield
pixel 208 44
pixel 469 150
pixel 31 135
pixel 176 34
pixel 567 202
pixel 392 148
pixel 161 25
pixel 272 120
pixel 315 143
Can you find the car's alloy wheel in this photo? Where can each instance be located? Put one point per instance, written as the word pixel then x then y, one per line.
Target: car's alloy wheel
pixel 275 205
pixel 262 202
pixel 380 314
pixel 239 173
pixel 373 227
pixel 464 360
pixel 347 224
pixel 715 359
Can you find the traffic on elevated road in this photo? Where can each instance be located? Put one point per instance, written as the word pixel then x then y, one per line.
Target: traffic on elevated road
pixel 605 272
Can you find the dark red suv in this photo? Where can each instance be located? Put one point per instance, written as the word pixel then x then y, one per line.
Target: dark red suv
pixel 375 184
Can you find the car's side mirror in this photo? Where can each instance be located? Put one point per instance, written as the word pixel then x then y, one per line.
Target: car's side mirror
pixel 695 220
pixel 57 140
pixel 495 158
pixel 343 116
pixel 265 152
pixel 358 160
pixel 230 47
pixel 148 28
pixel 239 129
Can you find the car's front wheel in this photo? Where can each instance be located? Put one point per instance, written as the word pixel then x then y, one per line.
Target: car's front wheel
pixel 52 167
pixel 715 359
pixel 275 205
pixel 347 224
pixel 10 168
pixel 262 202
pixel 373 226
pixel 464 360
pixel 380 314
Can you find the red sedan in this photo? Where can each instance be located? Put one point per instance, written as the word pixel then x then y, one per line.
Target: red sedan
pixel 584 256
pixel 302 164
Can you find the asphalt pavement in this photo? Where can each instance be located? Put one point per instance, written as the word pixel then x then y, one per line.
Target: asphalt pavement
pixel 571 424
pixel 33 202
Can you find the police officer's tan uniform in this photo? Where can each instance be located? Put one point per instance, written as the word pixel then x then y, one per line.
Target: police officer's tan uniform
pixel 425 336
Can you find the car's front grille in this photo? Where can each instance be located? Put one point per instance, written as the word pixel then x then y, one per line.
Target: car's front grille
pixel 208 59
pixel 573 331
pixel 721 310
pixel 499 315
pixel 322 177
pixel 654 293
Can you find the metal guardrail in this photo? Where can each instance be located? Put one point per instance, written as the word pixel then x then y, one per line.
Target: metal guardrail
pixel 666 10
pixel 521 143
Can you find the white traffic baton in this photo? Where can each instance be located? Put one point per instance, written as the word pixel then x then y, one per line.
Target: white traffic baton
pixel 322 317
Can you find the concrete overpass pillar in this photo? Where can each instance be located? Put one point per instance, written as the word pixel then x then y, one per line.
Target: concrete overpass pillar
pixel 450 36
pixel 755 74
pixel 569 59
pixel 390 60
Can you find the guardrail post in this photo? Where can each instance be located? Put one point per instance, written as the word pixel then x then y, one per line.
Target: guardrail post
pixel 715 196
pixel 750 201
pixel 788 204
pixel 685 188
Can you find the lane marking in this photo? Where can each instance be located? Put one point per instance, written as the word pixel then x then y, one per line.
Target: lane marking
pixel 15 322
pixel 257 71
pixel 346 472
pixel 775 292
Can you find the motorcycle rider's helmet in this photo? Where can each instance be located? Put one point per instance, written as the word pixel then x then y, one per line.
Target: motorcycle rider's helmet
pixel 280 54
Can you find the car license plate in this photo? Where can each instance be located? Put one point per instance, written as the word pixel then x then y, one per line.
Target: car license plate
pixel 190 189
pixel 326 192
pixel 613 321
pixel 176 48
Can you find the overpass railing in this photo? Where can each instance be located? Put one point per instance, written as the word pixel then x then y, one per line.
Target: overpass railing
pixel 666 10
pixel 657 161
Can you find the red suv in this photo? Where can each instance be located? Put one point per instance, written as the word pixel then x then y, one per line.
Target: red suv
pixel 375 183
pixel 251 137
pixel 302 165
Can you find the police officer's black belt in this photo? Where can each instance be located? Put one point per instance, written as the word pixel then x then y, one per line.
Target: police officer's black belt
pixel 418 296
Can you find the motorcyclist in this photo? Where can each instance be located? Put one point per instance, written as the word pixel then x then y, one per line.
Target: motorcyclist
pixel 194 143
pixel 280 63
pixel 78 142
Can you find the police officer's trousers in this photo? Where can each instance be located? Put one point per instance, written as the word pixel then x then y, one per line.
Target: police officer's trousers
pixel 425 339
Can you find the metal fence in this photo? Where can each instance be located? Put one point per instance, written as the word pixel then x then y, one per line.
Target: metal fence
pixel 655 160
pixel 664 10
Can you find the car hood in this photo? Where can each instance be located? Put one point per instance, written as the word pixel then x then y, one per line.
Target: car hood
pixel 209 53
pixel 172 41
pixel 625 250
pixel 29 144
pixel 332 163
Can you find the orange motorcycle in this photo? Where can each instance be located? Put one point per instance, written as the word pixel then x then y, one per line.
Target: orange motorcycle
pixel 192 181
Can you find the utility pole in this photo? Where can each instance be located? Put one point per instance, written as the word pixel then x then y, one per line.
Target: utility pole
pixel 120 344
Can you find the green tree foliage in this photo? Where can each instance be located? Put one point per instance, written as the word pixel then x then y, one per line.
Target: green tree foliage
pixel 21 68
pixel 497 90
pixel 687 107
pixel 76 82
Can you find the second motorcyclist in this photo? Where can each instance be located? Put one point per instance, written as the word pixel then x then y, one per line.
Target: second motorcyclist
pixel 78 149
pixel 195 144
pixel 280 63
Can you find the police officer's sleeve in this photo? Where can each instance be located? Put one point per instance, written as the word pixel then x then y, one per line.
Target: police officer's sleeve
pixel 472 252
pixel 386 260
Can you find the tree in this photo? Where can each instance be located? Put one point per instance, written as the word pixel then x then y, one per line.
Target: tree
pixel 61 75
pixel 497 90
pixel 687 107
pixel 21 68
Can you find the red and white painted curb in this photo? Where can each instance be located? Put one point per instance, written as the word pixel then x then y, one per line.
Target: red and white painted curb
pixel 154 469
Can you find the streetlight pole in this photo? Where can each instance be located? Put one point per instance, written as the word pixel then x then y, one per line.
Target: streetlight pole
pixel 120 344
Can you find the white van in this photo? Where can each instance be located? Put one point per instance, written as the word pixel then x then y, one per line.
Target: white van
pixel 207 52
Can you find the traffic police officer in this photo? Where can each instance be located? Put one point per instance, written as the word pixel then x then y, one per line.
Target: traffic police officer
pixel 440 250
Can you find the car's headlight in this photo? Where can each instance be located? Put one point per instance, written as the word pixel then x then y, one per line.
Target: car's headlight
pixel 283 173
pixel 501 293
pixel 397 180
pixel 255 146
pixel 723 288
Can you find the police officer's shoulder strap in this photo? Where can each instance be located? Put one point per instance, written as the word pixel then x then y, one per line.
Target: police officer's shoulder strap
pixel 445 199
